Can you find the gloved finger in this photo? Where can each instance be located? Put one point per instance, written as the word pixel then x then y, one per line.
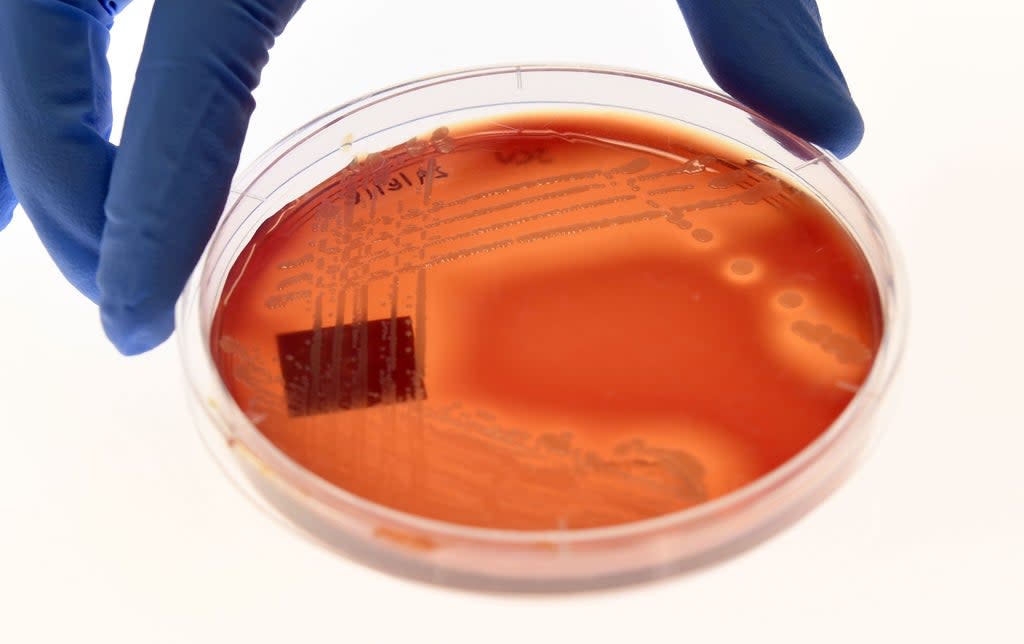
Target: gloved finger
pixel 7 200
pixel 186 121
pixel 772 56
pixel 55 118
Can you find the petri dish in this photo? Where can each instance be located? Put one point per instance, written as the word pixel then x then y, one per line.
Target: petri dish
pixel 542 329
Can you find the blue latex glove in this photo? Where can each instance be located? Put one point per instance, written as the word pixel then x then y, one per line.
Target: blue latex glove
pixel 126 226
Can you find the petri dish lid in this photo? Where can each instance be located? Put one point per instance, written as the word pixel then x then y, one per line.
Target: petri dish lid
pixel 509 559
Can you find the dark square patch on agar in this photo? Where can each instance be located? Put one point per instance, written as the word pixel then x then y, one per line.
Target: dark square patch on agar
pixel 352 366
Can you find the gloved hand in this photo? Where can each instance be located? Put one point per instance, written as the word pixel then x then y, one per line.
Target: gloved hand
pixel 127 225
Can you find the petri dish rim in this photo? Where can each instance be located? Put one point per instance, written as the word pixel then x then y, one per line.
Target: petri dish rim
pixel 220 409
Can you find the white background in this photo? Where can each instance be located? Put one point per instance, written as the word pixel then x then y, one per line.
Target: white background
pixel 115 526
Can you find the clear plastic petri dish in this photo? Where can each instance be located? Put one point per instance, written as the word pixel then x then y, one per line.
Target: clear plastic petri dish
pixel 441 482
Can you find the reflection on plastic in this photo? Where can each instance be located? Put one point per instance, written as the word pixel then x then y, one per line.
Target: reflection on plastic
pixel 351 366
